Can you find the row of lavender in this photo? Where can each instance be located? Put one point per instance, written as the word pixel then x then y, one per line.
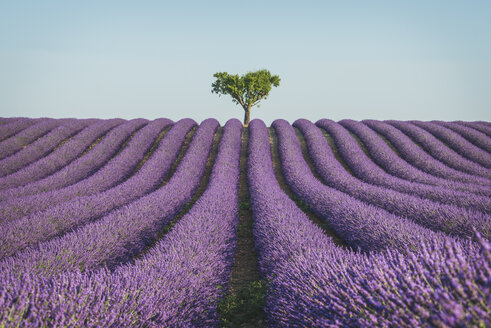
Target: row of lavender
pixel 115 242
pixel 405 275
pixel 117 236
pixel 178 282
pixel 74 205
pixel 51 163
pixel 432 206
pixel 445 282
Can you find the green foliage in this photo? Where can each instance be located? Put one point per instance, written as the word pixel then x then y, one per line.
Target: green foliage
pixel 246 305
pixel 300 203
pixel 246 90
pixel 244 206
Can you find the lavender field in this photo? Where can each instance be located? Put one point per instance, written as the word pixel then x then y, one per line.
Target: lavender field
pixel 155 223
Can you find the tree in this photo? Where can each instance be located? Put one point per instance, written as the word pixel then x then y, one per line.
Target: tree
pixel 247 90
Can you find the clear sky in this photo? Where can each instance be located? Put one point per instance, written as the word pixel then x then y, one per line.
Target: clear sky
pixel 336 59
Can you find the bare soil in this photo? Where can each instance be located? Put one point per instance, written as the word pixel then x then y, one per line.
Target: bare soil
pixel 335 151
pixel 199 191
pixel 243 305
pixel 273 139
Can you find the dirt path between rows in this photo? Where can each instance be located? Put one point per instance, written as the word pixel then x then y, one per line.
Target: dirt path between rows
pixel 273 140
pixel 243 307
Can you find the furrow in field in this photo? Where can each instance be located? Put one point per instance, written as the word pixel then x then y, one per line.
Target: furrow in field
pixel 477 126
pixel 27 136
pixel 202 186
pixel 242 305
pixel 314 283
pixel 5 120
pixel 125 232
pixel 41 147
pixel 393 164
pixel 419 158
pixel 83 166
pixel 13 127
pixel 177 283
pixel 153 148
pixel 440 151
pixel 117 170
pixel 456 142
pixel 56 220
pixel 59 157
pixel 335 151
pixel 478 138
pixel 434 215
pixel 277 168
pixel 366 170
pixel 358 223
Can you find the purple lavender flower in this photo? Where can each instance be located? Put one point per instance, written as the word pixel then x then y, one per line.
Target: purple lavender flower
pixel 389 161
pixel 116 170
pixel 59 157
pixel 82 166
pixel 177 283
pixel 314 283
pixel 457 143
pixel 477 138
pixel 27 136
pixel 55 220
pixel 41 147
pixel 12 127
pixel 440 151
pixel 429 213
pixel 416 156
pixel 124 232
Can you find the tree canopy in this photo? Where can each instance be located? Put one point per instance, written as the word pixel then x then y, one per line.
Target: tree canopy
pixel 246 90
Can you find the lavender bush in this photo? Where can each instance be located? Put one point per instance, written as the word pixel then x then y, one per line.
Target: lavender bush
pixel 195 258
pixel 457 143
pixel 83 166
pixel 15 126
pixel 126 231
pixel 477 126
pixel 434 215
pixel 477 138
pixel 314 283
pixel 176 284
pixel 360 224
pixel 104 241
pixel 389 161
pixel 27 136
pixel 5 120
pixel 59 157
pixel 46 224
pixel 117 169
pixel 416 156
pixel 439 150
pixel 41 147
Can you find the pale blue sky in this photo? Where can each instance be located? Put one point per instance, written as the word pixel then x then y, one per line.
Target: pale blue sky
pixel 337 59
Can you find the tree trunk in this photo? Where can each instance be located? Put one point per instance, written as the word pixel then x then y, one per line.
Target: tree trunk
pixel 247 116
